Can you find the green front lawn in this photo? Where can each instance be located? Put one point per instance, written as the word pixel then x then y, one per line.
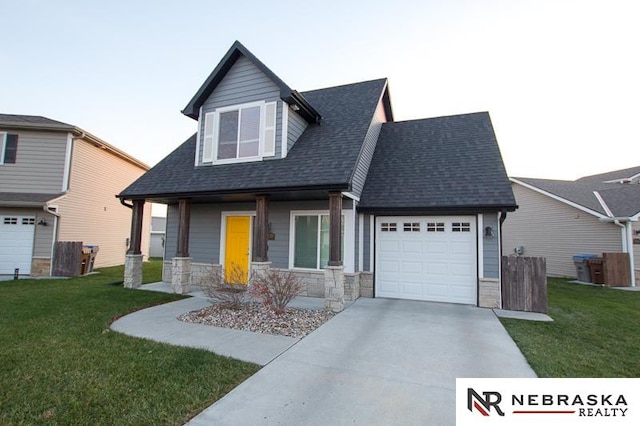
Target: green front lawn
pixel 60 363
pixel 595 333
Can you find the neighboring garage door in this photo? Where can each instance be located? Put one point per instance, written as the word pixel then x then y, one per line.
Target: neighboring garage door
pixel 427 258
pixel 16 243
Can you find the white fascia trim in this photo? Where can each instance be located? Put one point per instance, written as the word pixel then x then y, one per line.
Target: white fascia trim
pixel 223 231
pixel 558 198
pixel 67 163
pixel 602 203
pixel 351 195
pixel 480 232
pixel 285 129
pixel 200 124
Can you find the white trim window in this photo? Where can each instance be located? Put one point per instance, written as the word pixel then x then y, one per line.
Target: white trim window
pixel 8 148
pixel 239 133
pixel 309 241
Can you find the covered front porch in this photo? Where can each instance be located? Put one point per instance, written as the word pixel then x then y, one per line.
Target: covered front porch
pixel 256 231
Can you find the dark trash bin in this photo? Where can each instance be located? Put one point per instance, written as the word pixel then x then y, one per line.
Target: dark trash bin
pixel 582 269
pixel 596 268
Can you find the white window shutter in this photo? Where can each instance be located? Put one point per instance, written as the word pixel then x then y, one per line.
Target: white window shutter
pixel 207 140
pixel 270 130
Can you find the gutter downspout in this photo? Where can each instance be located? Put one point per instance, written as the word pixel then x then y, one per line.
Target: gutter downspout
pixel 630 251
pixel 56 216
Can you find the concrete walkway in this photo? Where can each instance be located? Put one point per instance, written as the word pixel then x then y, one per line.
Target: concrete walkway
pixel 159 323
pixel 381 361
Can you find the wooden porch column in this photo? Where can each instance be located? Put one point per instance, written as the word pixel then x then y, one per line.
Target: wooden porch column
pixel 137 213
pixel 261 229
pixel 335 226
pixel 184 218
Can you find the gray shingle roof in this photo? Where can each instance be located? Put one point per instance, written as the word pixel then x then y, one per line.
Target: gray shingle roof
pixel 14 120
pixel 439 164
pixel 623 200
pixel 324 156
pixel 25 199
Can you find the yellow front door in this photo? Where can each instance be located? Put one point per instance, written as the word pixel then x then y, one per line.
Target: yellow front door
pixel 236 257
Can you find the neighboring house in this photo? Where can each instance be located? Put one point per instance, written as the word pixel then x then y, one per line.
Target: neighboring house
pixel 158 226
pixel 558 219
pixel 58 183
pixel 324 183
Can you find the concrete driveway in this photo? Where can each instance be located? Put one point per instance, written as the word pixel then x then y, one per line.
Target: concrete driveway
pixel 380 362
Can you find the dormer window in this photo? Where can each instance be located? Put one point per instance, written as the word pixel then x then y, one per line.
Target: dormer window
pixel 240 133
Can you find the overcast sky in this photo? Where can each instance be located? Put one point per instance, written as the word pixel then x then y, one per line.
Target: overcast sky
pixel 560 78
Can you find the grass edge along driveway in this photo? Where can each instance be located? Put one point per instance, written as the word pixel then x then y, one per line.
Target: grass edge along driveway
pixel 60 362
pixel 595 333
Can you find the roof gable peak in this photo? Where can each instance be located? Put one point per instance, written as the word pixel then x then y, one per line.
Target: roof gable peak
pixel 290 96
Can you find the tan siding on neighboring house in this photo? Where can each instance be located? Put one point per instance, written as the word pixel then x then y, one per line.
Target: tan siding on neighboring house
pixel 549 228
pixel 39 165
pixel 91 213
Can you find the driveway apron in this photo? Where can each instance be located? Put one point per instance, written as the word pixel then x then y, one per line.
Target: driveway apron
pixel 380 362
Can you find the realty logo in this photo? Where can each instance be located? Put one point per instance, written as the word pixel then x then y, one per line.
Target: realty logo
pixel 483 405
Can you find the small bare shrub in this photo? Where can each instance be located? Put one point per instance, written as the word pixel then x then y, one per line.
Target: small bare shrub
pixel 276 289
pixel 227 289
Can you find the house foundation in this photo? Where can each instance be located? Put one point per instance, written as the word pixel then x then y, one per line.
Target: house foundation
pixel 181 274
pixel 133 270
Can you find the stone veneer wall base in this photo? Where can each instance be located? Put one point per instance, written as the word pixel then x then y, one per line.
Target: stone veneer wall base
pixel 181 274
pixel 334 288
pixel 489 295
pixel 133 270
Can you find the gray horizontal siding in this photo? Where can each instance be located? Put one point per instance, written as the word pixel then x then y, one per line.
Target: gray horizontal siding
pixel 366 260
pixel 549 228
pixel 204 231
pixel 296 125
pixel 171 231
pixel 491 261
pixel 368 148
pixel 39 165
pixel 242 84
pixel 204 234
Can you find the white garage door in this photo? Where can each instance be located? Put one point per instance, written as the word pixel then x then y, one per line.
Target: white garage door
pixel 16 243
pixel 427 258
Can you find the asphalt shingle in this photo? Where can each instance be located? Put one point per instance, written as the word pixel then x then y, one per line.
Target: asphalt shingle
pixel 622 199
pixel 438 163
pixel 31 121
pixel 324 155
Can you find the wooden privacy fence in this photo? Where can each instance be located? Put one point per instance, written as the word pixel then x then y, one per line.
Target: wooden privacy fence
pixel 617 269
pixel 67 259
pixel 524 283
